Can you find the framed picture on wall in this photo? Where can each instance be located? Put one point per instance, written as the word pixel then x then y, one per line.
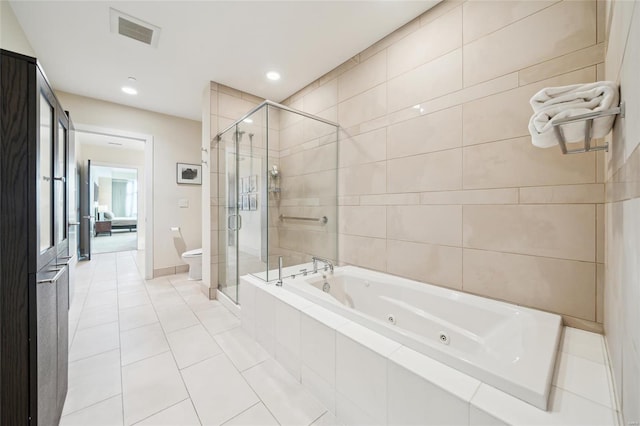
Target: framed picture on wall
pixel 189 173
pixel 242 185
pixel 245 202
pixel 253 201
pixel 253 183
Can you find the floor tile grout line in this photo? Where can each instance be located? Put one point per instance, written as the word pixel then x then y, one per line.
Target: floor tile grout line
pixel 212 336
pixel 173 355
pixel 91 405
pixel 94 355
pixel 158 412
pixel 82 308
pixel 319 417
pixel 120 347
pixel 255 391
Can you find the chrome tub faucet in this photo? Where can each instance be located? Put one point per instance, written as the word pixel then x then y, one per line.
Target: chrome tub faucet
pixel 327 264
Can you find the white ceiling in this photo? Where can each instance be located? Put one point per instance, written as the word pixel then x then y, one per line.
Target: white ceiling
pixel 108 141
pixel 230 42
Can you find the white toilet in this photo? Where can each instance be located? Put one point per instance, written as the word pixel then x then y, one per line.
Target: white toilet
pixel 193 258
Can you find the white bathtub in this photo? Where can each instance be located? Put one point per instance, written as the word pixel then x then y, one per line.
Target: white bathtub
pixel 506 346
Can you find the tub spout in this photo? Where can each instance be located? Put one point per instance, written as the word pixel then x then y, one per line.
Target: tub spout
pixel 279 282
pixel 327 264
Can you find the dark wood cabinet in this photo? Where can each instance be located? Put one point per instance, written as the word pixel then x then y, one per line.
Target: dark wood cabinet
pixel 34 252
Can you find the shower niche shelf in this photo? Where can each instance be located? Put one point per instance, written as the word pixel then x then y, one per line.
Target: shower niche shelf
pixel 588 129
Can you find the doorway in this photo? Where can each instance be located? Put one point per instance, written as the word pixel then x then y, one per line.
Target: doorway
pixel 115 204
pixel 115 194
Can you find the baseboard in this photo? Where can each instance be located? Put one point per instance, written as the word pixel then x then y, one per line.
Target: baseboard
pixel 170 270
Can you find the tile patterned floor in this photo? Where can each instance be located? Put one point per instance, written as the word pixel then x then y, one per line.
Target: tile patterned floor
pixel 159 352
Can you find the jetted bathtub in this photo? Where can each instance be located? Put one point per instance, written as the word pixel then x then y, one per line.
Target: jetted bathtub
pixel 509 347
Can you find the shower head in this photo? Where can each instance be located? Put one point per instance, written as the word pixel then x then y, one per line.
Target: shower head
pixel 274 172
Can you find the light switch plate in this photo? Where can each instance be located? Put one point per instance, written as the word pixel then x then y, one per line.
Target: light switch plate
pixel 183 203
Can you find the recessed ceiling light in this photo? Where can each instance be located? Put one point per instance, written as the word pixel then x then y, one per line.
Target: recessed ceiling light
pixel 130 87
pixel 273 75
pixel 129 90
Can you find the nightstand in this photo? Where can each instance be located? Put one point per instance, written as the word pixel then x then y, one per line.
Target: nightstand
pixel 102 227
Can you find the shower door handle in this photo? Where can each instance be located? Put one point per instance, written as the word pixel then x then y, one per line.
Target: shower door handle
pixel 238 222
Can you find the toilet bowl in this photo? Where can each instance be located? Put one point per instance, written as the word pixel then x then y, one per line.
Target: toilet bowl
pixel 193 258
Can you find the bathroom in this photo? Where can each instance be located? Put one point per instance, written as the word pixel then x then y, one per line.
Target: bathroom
pixel 412 159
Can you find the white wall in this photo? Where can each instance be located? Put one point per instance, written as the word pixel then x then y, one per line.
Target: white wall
pixel 104 156
pixel 174 140
pixel 11 35
pixel 622 210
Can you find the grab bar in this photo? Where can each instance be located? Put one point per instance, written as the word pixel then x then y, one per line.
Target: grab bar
pixel 322 219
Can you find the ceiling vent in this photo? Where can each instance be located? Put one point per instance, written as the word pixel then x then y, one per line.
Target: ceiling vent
pixel 128 26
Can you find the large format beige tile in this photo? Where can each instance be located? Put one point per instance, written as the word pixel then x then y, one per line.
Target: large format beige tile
pixel 516 162
pixel 94 340
pixel 256 415
pixel 563 194
pixel 363 107
pixel 151 385
pixel 137 317
pixel 432 132
pixel 600 292
pixel 192 344
pixel 431 80
pixel 364 148
pixel 363 251
pixel 564 231
pixel 436 171
pixel 217 404
pixel 562 286
pixel 142 342
pixel 506 115
pixel 98 316
pixel 484 17
pixel 243 351
pixel 362 77
pixel 182 414
pixel 233 107
pixel 582 58
pixel 104 413
pixel 365 221
pixel 175 318
pixel 92 380
pixel 439 265
pixel 558 30
pixel 321 98
pixel 363 179
pixel 426 224
pixel 288 401
pixel 434 39
pixel 477 196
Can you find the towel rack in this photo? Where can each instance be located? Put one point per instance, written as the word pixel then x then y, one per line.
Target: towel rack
pixel 322 219
pixel 588 129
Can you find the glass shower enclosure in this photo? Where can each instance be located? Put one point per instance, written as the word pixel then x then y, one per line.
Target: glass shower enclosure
pixel 277 189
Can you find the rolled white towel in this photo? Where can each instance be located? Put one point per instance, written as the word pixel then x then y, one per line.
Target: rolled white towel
pixel 554 103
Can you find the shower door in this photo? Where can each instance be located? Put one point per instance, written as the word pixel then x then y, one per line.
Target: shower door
pixel 229 219
pixel 241 215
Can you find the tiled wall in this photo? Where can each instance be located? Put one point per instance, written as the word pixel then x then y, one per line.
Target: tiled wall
pixel 438 179
pixel 622 209
pixel 308 159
